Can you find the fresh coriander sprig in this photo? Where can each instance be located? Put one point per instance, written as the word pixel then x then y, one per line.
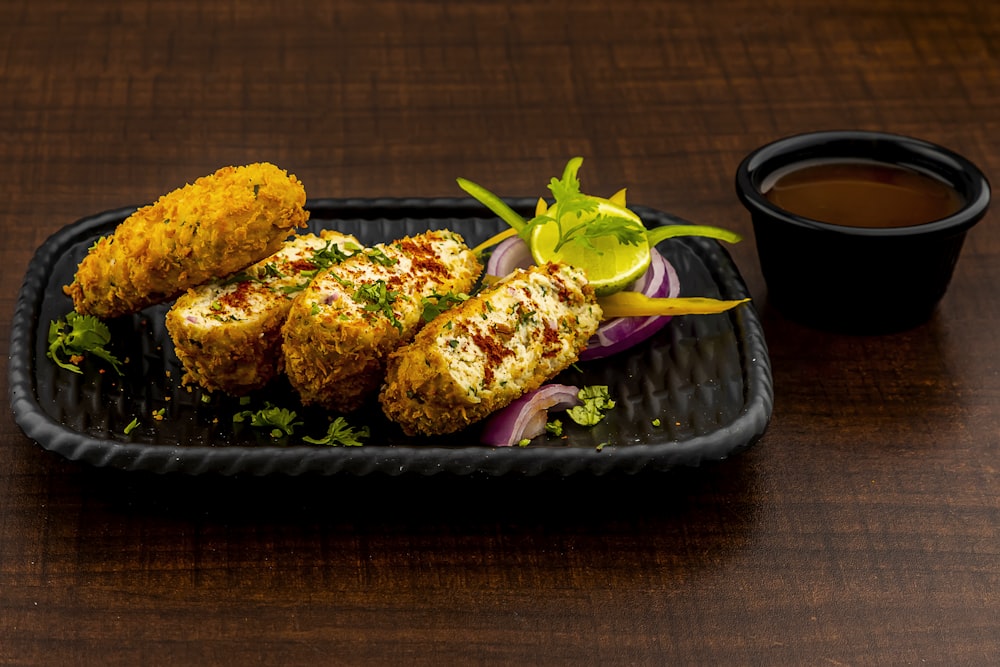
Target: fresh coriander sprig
pixel 572 205
pixel 280 421
pixel 76 335
pixel 341 433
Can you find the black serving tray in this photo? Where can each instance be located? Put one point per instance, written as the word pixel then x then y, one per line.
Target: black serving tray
pixel 699 390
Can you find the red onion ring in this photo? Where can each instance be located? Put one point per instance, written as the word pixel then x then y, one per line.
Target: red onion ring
pixel 509 254
pixel 525 418
pixel 620 333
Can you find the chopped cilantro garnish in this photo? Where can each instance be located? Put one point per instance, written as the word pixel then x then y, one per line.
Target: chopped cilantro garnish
pixel 132 425
pixel 329 255
pixel 271 270
pixel 378 256
pixel 238 277
pixel 76 335
pixel 435 304
pixel 596 400
pixel 554 427
pixel 280 421
pixel 341 433
pixel 377 298
pixel 292 289
pixel 257 274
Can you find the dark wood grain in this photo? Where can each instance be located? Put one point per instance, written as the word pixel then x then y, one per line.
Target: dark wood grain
pixel 864 528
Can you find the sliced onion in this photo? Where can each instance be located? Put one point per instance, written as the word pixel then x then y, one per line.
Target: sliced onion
pixel 525 418
pixel 621 333
pixel 509 254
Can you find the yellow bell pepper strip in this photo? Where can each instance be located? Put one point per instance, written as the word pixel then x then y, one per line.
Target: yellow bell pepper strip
pixel 494 240
pixel 618 198
pixel 637 304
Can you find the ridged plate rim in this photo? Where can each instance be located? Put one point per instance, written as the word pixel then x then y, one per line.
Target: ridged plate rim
pixel 420 459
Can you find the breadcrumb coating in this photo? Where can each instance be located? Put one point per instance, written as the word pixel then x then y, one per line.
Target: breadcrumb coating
pixel 341 329
pixel 204 230
pixel 227 332
pixel 483 354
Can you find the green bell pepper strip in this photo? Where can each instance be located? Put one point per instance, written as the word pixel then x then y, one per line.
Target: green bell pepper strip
pixel 657 234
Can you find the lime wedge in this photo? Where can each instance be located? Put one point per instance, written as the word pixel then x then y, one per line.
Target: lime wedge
pixel 610 264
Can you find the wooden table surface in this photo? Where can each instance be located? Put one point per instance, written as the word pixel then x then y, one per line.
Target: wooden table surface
pixel 863 528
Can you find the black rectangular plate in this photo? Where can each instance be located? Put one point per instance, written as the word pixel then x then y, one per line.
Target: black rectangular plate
pixel 699 390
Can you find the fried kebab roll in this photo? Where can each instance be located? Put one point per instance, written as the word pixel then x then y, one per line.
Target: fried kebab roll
pixel 227 332
pixel 488 351
pixel 207 229
pixel 341 328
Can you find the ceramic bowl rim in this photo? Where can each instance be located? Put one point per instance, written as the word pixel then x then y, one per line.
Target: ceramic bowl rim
pixel 924 156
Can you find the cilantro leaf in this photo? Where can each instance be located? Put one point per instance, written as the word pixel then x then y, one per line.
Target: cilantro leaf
pixel 341 433
pixel 329 255
pixel 378 256
pixel 74 336
pixel 578 215
pixel 435 304
pixel 236 278
pixel 568 186
pixel 626 230
pixel 596 401
pixel 281 421
pixel 377 298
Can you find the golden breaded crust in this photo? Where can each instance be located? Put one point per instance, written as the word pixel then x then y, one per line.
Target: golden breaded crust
pixel 341 329
pixel 227 333
pixel 483 354
pixel 208 229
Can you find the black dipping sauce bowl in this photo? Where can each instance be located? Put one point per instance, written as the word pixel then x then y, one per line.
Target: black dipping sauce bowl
pixel 859 280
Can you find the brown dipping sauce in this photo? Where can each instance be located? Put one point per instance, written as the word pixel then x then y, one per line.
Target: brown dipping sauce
pixel 862 194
